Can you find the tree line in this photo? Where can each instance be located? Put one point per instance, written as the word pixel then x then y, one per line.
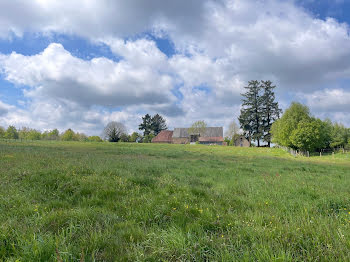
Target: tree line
pixel 261 120
pixel 298 129
pixel 27 133
pixel 113 132
pixel 150 125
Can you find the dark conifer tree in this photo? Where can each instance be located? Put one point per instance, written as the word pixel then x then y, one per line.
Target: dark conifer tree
pixel 158 124
pixel 146 125
pixel 270 110
pixel 250 118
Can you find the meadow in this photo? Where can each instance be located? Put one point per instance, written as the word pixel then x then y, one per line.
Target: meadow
pixel 75 201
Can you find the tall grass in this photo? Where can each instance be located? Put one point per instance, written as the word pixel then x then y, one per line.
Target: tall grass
pixel 71 201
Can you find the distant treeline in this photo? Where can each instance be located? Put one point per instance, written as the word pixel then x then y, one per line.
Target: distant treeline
pixel 27 133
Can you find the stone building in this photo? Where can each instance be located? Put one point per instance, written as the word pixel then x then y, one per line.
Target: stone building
pixel 242 141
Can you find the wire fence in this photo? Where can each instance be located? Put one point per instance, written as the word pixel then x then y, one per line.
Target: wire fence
pixel 322 152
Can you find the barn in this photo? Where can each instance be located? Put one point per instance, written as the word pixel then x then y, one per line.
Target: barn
pixel 165 136
pixel 211 136
pixel 242 141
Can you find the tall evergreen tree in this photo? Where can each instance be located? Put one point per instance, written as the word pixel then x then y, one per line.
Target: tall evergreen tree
pixel 250 118
pixel 146 125
pixel 270 111
pixel 158 124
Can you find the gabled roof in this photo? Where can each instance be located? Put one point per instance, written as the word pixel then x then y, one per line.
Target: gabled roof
pixel 209 132
pixel 163 136
pixel 241 137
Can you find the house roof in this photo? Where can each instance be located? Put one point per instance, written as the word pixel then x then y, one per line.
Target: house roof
pixel 241 137
pixel 211 139
pixel 209 132
pixel 163 136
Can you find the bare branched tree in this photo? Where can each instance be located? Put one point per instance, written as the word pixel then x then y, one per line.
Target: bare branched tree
pixel 113 131
pixel 197 128
pixel 232 131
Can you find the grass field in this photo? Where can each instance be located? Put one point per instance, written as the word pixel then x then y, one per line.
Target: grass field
pixel 62 201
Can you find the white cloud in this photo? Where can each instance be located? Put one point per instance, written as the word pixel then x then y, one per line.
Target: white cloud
pixel 57 74
pixel 95 18
pixel 329 100
pixel 220 46
pixel 4 108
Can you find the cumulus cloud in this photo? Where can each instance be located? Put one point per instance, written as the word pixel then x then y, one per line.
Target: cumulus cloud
pixel 4 108
pixel 329 100
pixel 219 45
pixel 96 18
pixel 100 81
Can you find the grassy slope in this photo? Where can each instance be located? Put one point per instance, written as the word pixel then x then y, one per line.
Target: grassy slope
pixel 172 202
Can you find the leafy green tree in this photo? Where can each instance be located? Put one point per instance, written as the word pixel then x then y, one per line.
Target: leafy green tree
pixel 94 139
pixel 146 125
pixel 23 133
pixel 11 133
pixel 270 110
pixel 250 118
pixel 134 136
pixel 198 128
pixel 124 138
pixel 158 123
pixel 81 137
pixel 51 135
pixel 34 135
pixel 148 138
pixel 69 135
pixel 282 129
pixel 29 134
pixel 113 131
pixel 310 135
pixel 2 132
pixel 339 136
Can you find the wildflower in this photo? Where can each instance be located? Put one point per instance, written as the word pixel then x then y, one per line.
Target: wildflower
pixel 200 210
pixel 222 236
pixel 174 208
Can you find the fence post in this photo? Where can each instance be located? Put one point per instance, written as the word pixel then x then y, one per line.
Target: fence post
pixel 308 154
pixel 320 153
pixel 333 154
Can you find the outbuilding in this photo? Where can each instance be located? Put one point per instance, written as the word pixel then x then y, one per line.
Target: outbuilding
pixel 242 141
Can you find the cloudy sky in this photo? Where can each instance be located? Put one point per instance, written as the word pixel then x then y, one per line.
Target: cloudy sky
pixel 80 64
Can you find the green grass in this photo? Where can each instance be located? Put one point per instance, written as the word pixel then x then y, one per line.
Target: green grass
pixel 62 201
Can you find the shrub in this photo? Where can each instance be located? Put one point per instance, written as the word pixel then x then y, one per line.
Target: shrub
pixel 94 139
pixel 11 133
pixel 69 135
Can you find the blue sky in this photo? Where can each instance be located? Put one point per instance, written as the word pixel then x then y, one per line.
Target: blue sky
pixel 79 65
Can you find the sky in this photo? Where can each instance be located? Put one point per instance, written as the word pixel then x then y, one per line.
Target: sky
pixel 81 64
